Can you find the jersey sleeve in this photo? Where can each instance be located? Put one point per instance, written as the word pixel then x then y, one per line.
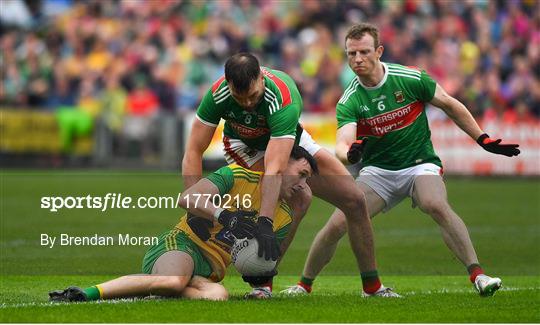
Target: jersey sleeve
pixel 208 112
pixel 223 178
pixel 284 121
pixel 426 87
pixel 346 114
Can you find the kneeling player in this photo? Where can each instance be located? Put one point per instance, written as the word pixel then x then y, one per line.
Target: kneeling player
pixel 192 258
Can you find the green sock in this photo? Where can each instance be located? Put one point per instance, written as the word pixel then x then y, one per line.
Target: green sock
pixel 92 293
pixel 307 281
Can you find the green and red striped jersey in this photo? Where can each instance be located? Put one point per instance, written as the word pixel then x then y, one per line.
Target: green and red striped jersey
pixel 276 115
pixel 392 115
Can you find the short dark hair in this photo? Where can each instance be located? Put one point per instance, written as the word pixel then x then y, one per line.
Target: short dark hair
pixel 241 70
pixel 359 30
pixel 298 153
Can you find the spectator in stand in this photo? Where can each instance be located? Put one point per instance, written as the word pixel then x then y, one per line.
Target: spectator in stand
pixel 142 107
pixel 479 51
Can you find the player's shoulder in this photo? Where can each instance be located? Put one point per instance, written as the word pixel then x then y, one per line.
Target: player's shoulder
pixel 279 86
pixel 220 91
pixel 404 73
pixel 351 88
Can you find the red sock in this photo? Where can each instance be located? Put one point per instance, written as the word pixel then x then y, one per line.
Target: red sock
pixel 370 281
pixel 307 287
pixel 474 271
pixel 267 284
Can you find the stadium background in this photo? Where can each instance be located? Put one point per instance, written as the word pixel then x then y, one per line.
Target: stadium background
pixel 97 97
pixel 117 82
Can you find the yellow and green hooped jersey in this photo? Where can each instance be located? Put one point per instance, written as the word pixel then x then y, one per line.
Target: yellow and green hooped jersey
pixel 392 115
pixel 243 187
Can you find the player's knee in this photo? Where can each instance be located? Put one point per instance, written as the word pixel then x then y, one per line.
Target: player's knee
pixel 353 203
pixel 436 208
pixel 215 291
pixel 300 204
pixel 303 206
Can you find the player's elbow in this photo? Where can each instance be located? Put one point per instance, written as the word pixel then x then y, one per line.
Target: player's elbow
pixel 342 156
pixel 183 201
pixel 190 158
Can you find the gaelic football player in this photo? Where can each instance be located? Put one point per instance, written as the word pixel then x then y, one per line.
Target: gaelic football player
pixel 382 120
pixel 188 263
pixel 261 108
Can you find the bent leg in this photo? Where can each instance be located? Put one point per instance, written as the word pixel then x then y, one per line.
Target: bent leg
pixel 429 193
pixel 326 241
pixel 170 275
pixel 336 186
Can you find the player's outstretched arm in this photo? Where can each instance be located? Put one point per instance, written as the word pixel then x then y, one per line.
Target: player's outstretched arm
pixel 457 112
pixel 463 118
pixel 199 140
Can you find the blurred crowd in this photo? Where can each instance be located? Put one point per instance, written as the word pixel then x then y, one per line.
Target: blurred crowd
pixel 116 59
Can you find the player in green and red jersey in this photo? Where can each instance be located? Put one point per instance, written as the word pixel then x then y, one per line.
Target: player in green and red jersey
pixel 382 120
pixel 261 108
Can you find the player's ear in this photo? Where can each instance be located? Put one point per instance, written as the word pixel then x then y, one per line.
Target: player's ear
pixel 379 51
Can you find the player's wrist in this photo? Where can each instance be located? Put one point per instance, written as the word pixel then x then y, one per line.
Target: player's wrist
pixel 264 219
pixel 219 213
pixel 482 139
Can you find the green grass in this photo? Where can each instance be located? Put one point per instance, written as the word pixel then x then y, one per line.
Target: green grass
pixel 427 299
pixel 503 216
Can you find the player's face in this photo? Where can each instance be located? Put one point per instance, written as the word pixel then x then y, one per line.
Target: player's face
pixel 252 97
pixel 294 178
pixel 362 55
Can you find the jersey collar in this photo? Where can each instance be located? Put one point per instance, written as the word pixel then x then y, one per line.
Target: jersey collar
pixel 379 85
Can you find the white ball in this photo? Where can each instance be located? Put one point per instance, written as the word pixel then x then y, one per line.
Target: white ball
pixel 246 261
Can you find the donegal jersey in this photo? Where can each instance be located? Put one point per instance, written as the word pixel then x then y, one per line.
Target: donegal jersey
pixel 237 187
pixel 275 116
pixel 392 115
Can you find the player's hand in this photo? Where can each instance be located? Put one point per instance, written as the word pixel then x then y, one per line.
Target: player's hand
pixel 240 223
pixel 356 150
pixel 200 226
pixel 268 244
pixel 495 146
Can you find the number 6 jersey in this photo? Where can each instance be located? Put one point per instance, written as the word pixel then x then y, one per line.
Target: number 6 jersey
pixel 392 115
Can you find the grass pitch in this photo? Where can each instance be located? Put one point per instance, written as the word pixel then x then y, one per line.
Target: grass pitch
pixel 427 299
pixel 503 216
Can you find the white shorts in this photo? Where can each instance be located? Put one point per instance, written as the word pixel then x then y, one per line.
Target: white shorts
pixel 236 151
pixel 395 185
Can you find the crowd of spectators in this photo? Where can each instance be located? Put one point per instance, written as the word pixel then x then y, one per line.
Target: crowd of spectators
pixel 137 58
